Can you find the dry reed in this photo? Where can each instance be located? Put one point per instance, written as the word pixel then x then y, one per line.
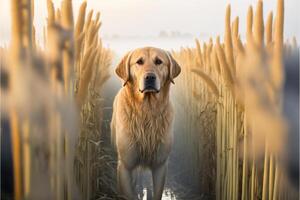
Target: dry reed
pixel 234 107
pixel 249 87
pixel 43 164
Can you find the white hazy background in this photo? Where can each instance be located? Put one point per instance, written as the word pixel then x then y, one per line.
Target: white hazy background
pixel 139 22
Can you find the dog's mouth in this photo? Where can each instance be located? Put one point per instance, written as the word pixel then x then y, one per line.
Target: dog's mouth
pixel 149 89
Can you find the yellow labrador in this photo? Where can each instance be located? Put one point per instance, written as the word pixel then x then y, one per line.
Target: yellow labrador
pixel 142 117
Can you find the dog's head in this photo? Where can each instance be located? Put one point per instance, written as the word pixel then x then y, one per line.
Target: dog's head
pixel 148 69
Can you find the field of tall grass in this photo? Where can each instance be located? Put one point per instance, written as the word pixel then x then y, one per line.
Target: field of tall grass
pixel 231 129
pixel 237 108
pixel 52 101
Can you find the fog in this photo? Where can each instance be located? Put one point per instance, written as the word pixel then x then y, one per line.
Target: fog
pixel 146 18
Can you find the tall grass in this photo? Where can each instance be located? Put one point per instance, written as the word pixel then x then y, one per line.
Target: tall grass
pixel 51 94
pixel 245 81
pixel 232 136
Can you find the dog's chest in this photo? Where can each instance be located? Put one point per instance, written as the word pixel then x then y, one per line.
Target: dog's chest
pixel 150 130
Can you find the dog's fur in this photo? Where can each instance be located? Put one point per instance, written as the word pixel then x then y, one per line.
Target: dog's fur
pixel 142 119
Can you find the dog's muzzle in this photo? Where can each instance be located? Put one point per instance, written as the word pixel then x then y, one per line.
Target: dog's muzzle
pixel 149 83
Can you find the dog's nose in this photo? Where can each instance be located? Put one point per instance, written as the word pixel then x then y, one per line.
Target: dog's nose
pixel 150 82
pixel 150 77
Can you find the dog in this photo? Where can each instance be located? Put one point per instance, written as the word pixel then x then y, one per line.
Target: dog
pixel 141 125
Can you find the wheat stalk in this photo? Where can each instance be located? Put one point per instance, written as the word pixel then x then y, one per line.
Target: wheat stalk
pixel 277 70
pixel 269 30
pixel 249 23
pixel 258 30
pixel 208 81
pixel 228 41
pixel 226 72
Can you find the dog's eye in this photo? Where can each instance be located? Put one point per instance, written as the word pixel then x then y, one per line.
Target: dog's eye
pixel 140 61
pixel 158 61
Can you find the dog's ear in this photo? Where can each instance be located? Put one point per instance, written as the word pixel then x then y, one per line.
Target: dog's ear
pixel 123 68
pixel 174 68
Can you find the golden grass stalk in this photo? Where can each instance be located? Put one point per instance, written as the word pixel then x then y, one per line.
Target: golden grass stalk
pixel 78 46
pixel 67 14
pixel 16 150
pixel 210 83
pixel 80 20
pixel 58 16
pixel 276 183
pixel 44 36
pixel 16 26
pixel 215 61
pixel 92 33
pixel 60 179
pixel 32 8
pixel 209 53
pixel 51 12
pixel 277 70
pixel 253 181
pixel 269 30
pixel 226 72
pixel 68 67
pixel 68 73
pixel 97 19
pixel 27 25
pixel 265 175
pixel 26 158
pixel 86 57
pixel 92 58
pixel 86 75
pixel 34 38
pixel 21 40
pixel 219 152
pixel 68 51
pixel 271 177
pixel 279 22
pixel 237 43
pixel 79 37
pixel 204 54
pixel 228 41
pixel 258 31
pixel 245 162
pixel 235 28
pixel 249 22
pixel 88 21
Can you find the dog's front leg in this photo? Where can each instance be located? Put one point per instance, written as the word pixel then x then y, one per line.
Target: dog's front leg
pixel 159 177
pixel 125 181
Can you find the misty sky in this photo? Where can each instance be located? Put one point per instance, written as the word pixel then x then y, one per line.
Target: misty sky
pixel 149 17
